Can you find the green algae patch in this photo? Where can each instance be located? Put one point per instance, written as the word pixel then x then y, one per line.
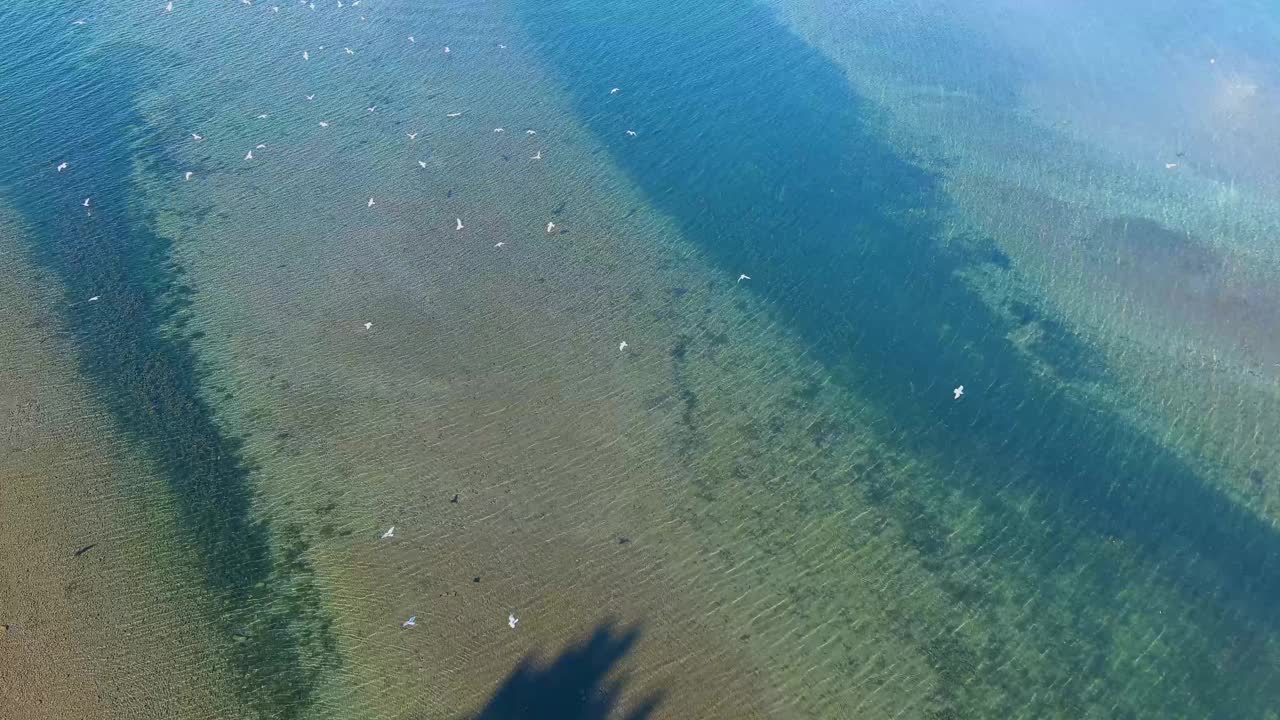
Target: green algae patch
pixel 90 231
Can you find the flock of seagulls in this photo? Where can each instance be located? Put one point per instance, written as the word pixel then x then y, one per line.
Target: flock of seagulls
pixel 389 534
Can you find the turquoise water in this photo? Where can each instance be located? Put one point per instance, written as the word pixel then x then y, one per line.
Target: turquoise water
pixel 1045 546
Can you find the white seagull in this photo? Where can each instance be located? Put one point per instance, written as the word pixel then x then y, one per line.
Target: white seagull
pixel 350 51
pixel 446 49
pixel 62 166
pixel 370 202
pixel 324 124
pixel 411 622
pixel 498 130
pixel 368 325
pixel 95 298
pixel 622 346
pixel 632 133
pixel 411 39
pixel 615 91
pixel 743 276
pixel 168 7
pixel 550 226
pixel 372 108
pixel 197 137
pixel 248 155
pixel 86 202
pixel 512 620
pixel 537 155
pixel 306 55
pixel 187 175
pixel 499 244
pixel 412 136
pixel 390 533
pixel 454 114
pixel 958 392
pixel 530 132
pixel 311 97
pixel 459 223
pixel 422 164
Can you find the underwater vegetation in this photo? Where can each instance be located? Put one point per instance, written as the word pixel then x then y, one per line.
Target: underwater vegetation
pixel 132 345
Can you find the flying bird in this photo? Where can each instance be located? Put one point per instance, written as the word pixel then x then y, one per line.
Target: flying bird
pixel 550 226
pixel 632 133
pixel 622 346
pixel 454 114
pixel 499 244
pixel 411 622
pixel 311 97
pixel 537 155
pixel 412 135
pixel 512 620
pixel 197 137
pixel 370 202
pixel 459 223
pixel 306 55
pixel 86 202
pixel 62 166
pixel 390 533
pixel 743 276
pixel 95 298
pixel 248 155
pixel 187 175
pixel 615 91
pixel 324 124
pixel 168 7
pixel 422 165
pixel 958 392
pixel 368 325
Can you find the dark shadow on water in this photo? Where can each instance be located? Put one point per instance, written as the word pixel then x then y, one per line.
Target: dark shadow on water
pixel 576 685
pixel 758 148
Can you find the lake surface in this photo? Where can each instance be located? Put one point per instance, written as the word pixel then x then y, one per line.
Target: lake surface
pixel 513 359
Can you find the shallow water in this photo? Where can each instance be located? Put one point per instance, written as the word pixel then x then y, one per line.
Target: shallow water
pixel 769 503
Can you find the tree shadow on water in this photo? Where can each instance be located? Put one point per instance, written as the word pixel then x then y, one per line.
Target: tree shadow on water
pixel 576 685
